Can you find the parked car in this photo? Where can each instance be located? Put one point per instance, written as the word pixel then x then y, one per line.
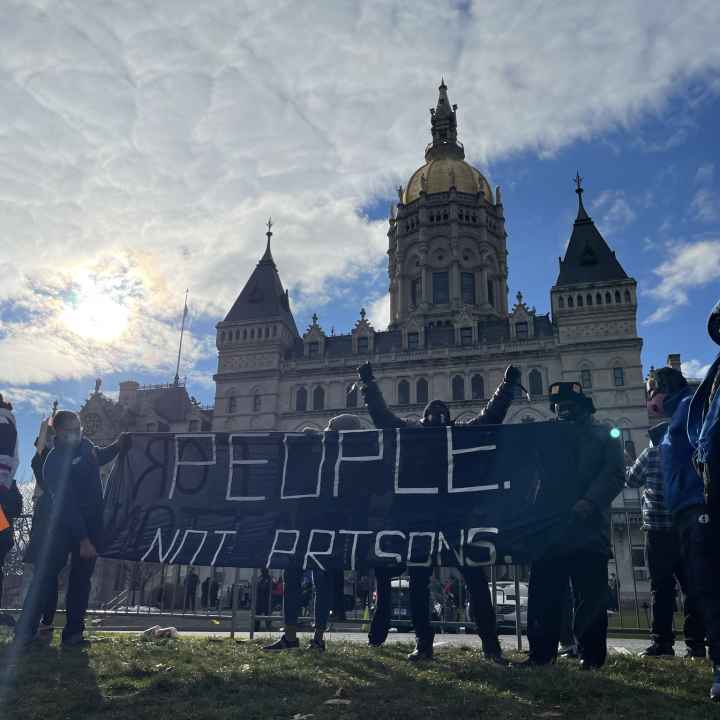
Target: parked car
pixel 505 603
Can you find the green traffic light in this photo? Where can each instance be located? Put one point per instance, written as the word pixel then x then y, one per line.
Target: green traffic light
pixel 615 433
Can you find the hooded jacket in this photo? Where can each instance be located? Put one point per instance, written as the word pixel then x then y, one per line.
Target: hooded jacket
pixel 683 486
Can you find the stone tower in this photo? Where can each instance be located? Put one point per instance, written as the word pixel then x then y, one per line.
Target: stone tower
pixel 252 341
pixel 447 239
pixel 594 305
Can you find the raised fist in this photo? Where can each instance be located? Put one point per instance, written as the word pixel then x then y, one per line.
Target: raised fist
pixel 365 372
pixel 512 375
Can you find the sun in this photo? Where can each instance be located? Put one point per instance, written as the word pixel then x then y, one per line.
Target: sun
pixel 95 312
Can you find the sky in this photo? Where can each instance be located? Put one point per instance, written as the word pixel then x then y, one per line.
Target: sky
pixel 143 146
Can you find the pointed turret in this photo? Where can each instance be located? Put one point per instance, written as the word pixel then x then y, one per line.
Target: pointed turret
pixel 443 126
pixel 588 257
pixel 263 297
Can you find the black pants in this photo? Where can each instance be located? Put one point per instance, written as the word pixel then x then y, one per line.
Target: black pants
pixel 700 547
pixel 380 625
pixel 48 565
pixel 480 603
pixel 567 618
pixel 666 565
pixel 6 543
pixel 548 582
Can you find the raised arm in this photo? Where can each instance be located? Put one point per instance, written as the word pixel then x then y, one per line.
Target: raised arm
pixel 380 414
pixel 495 411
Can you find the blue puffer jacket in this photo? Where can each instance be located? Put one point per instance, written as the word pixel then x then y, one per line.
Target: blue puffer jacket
pixel 683 486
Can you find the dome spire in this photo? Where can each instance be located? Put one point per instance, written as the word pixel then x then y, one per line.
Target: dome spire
pixel 443 127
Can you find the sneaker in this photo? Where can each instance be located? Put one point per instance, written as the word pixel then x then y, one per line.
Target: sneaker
pixel 283 644
pixel 568 651
pixel 497 657
pixel 316 645
pixel 696 651
pixel 715 689
pixel 76 640
pixel 658 650
pixel 420 655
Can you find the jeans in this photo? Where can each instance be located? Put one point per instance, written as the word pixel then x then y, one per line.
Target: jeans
pixel 666 564
pixel 700 546
pixel 292 594
pixel 48 565
pixel 480 602
pixel 549 579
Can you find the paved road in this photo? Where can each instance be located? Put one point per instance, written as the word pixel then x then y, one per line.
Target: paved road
pixel 617 646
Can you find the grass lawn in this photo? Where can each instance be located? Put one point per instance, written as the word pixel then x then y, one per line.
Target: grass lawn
pixel 128 678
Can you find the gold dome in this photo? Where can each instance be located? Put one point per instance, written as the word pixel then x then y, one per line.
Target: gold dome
pixel 439 174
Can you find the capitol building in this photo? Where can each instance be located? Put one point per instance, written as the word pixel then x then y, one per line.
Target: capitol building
pixel 452 327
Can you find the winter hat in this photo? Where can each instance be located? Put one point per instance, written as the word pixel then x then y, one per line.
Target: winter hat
pixel 346 421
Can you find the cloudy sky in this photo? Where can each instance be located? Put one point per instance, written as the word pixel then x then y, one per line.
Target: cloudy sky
pixel 144 144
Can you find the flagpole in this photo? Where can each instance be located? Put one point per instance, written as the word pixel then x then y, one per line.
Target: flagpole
pixel 182 332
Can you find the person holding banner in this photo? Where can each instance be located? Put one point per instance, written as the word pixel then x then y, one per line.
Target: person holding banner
pixel 582 556
pixel 437 414
pixel 323 580
pixel 71 478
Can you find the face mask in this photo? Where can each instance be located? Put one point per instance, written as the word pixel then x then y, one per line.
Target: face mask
pixel 567 411
pixel 69 440
pixel 656 406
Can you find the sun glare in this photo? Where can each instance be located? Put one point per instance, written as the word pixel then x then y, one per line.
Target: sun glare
pixel 94 314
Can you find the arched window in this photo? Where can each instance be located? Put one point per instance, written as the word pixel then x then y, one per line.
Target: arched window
pixel 490 293
pixel 421 390
pixel 222 337
pixel 618 377
pixel 231 404
pixel 579 300
pixel 403 392
pixel 598 299
pixel 267 332
pixel 608 298
pixel 237 335
pixel 477 387
pixel 588 299
pixel 628 297
pixel 536 383
pixel 257 402
pixel 318 398
pixel 458 388
pixel 245 334
pixel 617 296
pixel 274 331
pixel 571 302
pixel 351 396
pixel 586 378
pixel 252 333
pixel 301 399
pixel 561 302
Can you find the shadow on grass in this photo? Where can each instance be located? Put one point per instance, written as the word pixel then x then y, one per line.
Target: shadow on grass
pixel 135 680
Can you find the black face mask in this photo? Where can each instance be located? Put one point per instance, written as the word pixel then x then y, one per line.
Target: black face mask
pixel 569 412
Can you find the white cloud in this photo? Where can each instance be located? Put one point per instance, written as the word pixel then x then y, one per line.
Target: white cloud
pixel 705 205
pixel 695 369
pixel 148 144
pixel 691 265
pixel 615 211
pixel 39 401
pixel 379 312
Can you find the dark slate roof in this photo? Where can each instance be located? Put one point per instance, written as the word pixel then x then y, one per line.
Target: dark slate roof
pixel 263 298
pixel 170 403
pixel 588 257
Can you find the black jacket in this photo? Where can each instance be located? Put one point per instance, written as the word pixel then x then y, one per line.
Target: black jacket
pixel 601 467
pixel 72 481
